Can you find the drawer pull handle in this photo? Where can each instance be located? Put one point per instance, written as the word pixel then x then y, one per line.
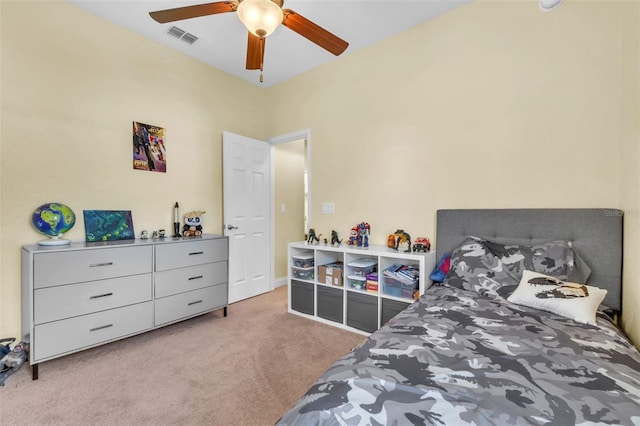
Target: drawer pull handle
pixel 95 265
pixel 195 252
pixel 195 278
pixel 194 303
pixel 102 327
pixel 97 296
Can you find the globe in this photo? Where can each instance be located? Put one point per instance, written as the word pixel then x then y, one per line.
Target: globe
pixel 53 220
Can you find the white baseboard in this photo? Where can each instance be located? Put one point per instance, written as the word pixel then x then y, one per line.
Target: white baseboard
pixel 279 282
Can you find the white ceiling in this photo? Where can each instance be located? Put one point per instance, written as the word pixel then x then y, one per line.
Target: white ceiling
pixel 222 39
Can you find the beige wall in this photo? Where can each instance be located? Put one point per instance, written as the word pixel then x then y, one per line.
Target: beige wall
pixel 630 166
pixel 71 86
pixel 494 104
pixel 289 161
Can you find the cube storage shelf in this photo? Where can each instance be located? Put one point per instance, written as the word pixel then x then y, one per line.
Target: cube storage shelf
pixel 354 305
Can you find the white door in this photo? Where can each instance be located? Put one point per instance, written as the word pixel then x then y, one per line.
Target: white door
pixel 247 209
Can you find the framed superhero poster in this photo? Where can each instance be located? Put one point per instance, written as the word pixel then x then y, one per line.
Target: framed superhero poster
pixel 149 151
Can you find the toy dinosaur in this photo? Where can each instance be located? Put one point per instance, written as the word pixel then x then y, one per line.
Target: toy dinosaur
pixel 334 239
pixel 313 237
pixel 402 237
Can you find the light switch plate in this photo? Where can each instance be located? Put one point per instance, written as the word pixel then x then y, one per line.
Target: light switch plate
pixel 328 208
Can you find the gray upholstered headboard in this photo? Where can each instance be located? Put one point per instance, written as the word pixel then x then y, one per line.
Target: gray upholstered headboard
pixel 596 235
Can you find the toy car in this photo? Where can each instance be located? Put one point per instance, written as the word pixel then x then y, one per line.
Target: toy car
pixel 421 244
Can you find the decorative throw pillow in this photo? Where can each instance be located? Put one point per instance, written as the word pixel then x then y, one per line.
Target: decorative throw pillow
pixel 494 269
pixel 581 270
pixel 572 300
pixel 474 267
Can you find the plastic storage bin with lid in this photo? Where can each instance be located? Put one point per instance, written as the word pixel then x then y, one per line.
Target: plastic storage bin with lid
pixel 302 273
pixel 302 260
pixel 362 267
pixel 392 287
pixel 357 282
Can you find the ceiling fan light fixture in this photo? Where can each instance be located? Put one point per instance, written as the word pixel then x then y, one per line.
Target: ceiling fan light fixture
pixel 549 5
pixel 261 17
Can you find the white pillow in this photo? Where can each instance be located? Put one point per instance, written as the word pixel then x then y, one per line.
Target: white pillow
pixel 576 301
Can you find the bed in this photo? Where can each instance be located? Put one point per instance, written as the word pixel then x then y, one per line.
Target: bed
pixel 465 353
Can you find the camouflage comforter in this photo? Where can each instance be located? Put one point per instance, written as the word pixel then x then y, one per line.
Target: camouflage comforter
pixel 454 358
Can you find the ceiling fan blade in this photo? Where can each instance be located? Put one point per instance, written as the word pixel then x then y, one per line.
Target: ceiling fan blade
pixel 187 12
pixel 255 52
pixel 314 32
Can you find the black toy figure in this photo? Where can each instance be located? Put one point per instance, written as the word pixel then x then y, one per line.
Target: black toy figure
pixel 313 237
pixel 335 241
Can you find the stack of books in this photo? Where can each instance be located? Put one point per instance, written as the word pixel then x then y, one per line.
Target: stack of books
pixel 372 282
pixel 408 275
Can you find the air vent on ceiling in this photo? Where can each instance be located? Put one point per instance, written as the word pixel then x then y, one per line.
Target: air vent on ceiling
pixel 189 38
pixel 176 32
pixel 182 35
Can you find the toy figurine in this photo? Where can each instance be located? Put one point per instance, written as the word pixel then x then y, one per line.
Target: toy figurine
pixel 364 229
pixel 391 241
pixel 335 241
pixel 192 226
pixel 403 237
pixel 421 244
pixel 313 237
pixel 353 237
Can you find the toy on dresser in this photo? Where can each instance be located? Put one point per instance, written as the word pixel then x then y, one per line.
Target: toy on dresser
pixel 313 237
pixel 360 235
pixel 192 224
pixel 402 237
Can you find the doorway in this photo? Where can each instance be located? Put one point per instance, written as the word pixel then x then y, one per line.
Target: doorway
pixel 290 195
pixel 257 253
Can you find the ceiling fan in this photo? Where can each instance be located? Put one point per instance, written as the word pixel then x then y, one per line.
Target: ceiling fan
pixel 261 17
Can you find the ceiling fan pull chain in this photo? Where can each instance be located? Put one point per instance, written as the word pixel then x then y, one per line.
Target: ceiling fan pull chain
pixel 262 56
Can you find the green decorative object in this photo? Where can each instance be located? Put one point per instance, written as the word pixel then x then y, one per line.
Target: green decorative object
pixel 53 220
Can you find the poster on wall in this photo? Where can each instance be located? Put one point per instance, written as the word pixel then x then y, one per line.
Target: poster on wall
pixel 148 148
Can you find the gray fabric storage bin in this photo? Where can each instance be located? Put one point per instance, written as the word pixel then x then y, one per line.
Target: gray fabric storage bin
pixel 330 303
pixel 302 297
pixel 362 311
pixel 391 308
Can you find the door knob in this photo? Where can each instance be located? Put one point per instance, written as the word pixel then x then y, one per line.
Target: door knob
pixel 230 227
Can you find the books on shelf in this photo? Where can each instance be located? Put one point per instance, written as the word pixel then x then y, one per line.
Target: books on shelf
pixel 408 274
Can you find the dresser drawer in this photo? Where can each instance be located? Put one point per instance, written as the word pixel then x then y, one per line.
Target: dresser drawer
pixel 190 253
pixel 74 266
pixel 55 303
pixel 71 335
pixel 184 305
pixel 181 280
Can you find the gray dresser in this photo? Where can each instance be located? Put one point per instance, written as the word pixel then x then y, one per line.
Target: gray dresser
pixel 86 294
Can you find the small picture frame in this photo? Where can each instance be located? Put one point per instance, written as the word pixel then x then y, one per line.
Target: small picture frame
pixel 149 151
pixel 108 225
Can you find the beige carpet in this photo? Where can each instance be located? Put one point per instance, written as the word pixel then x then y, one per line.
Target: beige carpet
pixel 246 369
